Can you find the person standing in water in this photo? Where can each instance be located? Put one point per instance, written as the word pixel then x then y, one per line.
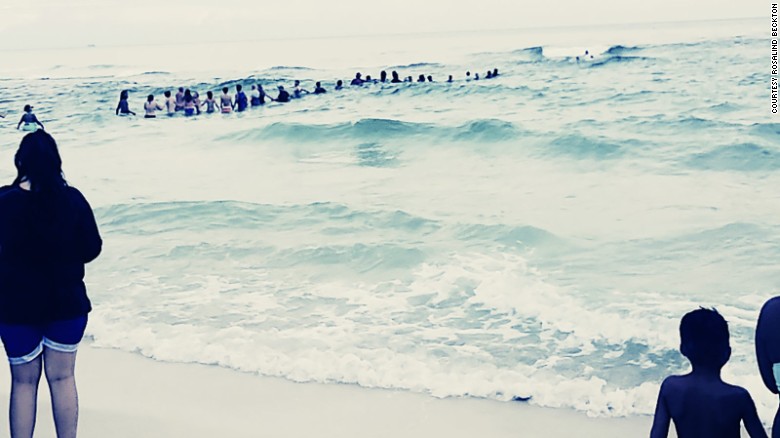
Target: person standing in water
pixel 170 104
pixel 123 107
pixel 318 89
pixel 47 234
pixel 254 96
pixel 151 106
pixel 29 122
pixel 180 99
pixel 189 103
pixel 298 90
pixel 210 102
pixel 241 100
pixel 339 85
pixel 283 96
pixel 226 101
pixel 396 79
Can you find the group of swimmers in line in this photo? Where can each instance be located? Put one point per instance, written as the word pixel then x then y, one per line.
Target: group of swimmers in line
pixel 190 103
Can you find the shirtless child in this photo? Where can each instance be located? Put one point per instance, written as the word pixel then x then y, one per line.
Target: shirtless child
pixel 700 403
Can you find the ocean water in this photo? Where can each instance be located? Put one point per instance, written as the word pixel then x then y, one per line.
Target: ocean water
pixel 538 235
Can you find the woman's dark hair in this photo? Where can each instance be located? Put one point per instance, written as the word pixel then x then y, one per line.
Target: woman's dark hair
pixel 123 95
pixel 150 98
pixel 188 96
pixel 38 161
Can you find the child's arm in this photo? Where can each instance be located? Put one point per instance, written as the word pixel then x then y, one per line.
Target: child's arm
pixel 662 417
pixel 750 417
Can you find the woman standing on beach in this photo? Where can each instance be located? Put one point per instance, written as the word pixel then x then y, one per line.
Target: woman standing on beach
pixel 47 234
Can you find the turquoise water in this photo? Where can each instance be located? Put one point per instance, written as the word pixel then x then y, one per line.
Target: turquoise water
pixel 536 235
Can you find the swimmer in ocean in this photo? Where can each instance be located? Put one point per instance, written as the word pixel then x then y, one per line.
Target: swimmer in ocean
pixel 430 78
pixel 196 101
pixel 151 106
pixel 254 96
pixel 263 94
pixel 180 99
pixel 29 120
pixel 318 89
pixel 383 76
pixel 189 103
pixel 298 91
pixel 449 79
pixel 421 78
pixel 123 107
pixel 357 80
pixel 339 85
pixel 283 96
pixel 210 102
pixel 226 101
pixel 395 79
pixel 241 100
pixel 495 72
pixel 170 104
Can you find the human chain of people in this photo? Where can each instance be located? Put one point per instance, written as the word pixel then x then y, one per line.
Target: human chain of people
pixel 189 102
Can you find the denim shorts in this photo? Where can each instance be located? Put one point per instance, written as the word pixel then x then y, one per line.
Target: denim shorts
pixel 24 343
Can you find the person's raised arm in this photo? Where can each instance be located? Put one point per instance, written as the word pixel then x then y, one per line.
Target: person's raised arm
pixel 20 122
pixel 750 418
pixel 662 417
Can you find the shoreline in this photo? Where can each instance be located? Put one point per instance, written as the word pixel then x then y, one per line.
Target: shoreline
pixel 127 395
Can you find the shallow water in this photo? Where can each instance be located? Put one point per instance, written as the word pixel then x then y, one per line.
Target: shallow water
pixel 535 235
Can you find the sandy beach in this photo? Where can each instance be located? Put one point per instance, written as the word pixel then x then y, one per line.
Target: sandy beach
pixel 127 395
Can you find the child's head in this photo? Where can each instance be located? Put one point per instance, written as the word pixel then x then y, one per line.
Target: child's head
pixel 704 338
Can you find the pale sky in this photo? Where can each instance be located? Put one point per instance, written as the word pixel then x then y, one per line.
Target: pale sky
pixel 61 23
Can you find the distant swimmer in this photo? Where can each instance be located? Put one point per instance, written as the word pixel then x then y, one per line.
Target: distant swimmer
pixel 254 96
pixel 210 102
pixel 189 103
pixel 357 80
pixel 430 78
pixel 151 106
pixel 262 93
pixel 395 79
pixel 495 72
pixel 226 101
pixel 318 89
pixel 180 99
pixel 489 75
pixel 29 122
pixel 449 79
pixel 283 96
pixel 196 101
pixel 241 100
pixel 339 84
pixel 298 91
pixel 421 78
pixel 170 104
pixel 468 75
pixel 383 76
pixel 123 107
pixel 476 76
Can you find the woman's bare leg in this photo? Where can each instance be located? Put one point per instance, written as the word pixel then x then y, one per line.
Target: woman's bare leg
pixel 60 369
pixel 24 398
